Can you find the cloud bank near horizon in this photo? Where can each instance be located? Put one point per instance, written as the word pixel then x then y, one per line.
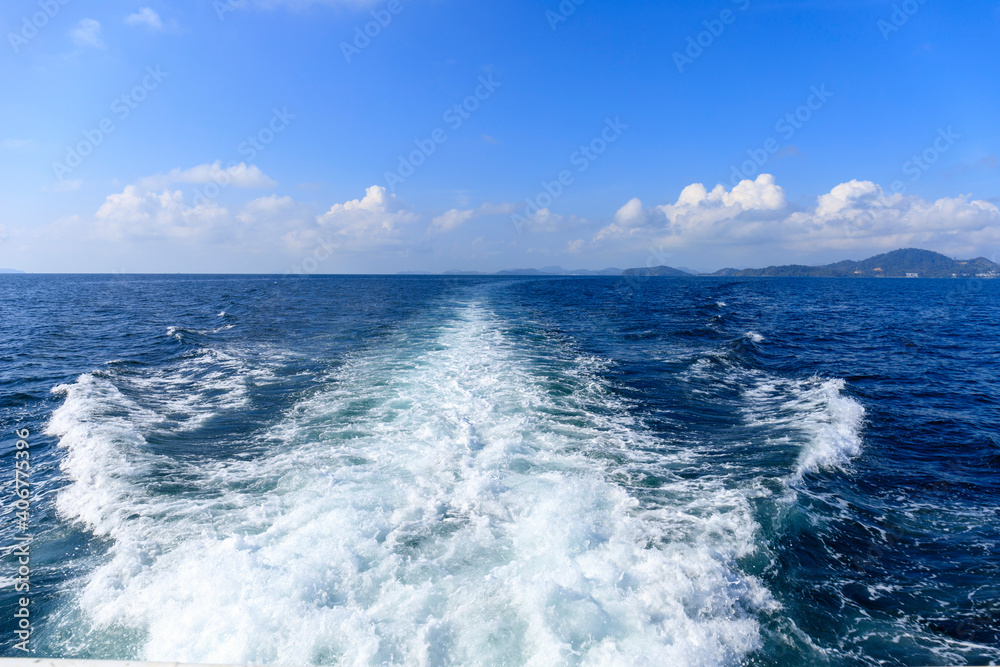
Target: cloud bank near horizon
pixel 852 215
pixel 753 219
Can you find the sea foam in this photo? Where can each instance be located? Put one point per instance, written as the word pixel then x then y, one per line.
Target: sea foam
pixel 451 502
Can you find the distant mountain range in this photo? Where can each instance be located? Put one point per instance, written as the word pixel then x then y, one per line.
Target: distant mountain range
pixel 544 271
pixel 906 263
pixel 668 271
pixel 10 271
pixel 910 262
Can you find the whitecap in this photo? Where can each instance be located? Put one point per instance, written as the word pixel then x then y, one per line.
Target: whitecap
pixel 430 505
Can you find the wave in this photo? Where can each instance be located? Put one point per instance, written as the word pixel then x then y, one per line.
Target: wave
pixel 465 500
pixel 815 416
pixel 827 421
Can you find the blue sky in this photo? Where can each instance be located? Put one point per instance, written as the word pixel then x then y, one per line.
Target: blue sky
pixel 267 136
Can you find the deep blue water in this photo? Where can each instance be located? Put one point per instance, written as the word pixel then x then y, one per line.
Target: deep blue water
pixel 434 470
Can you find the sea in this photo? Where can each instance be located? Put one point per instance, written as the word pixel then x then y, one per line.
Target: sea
pixel 435 470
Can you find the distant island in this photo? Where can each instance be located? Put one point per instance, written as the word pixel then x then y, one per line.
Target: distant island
pixel 906 263
pixel 544 271
pixel 10 271
pixel 668 271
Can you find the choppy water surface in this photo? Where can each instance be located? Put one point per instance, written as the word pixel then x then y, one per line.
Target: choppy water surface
pixel 497 471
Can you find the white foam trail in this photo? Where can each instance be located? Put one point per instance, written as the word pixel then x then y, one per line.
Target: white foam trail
pixel 101 429
pixel 446 506
pixel 829 421
pixel 754 336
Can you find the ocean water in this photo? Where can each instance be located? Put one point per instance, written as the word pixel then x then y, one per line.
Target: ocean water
pixel 503 471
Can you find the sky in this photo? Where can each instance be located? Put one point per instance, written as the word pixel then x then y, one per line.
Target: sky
pixel 378 136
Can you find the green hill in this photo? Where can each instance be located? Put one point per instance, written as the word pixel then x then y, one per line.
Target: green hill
pixel 655 271
pixel 910 262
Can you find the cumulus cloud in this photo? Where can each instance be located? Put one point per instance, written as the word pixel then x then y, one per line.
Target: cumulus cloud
pixel 152 209
pixel 238 176
pixel 861 211
pixel 631 214
pixel 452 219
pixel 367 223
pixel 697 204
pixel 851 214
pixel 853 194
pixel 147 17
pixel 136 213
pixel 699 211
pixel 87 33
pixel 455 218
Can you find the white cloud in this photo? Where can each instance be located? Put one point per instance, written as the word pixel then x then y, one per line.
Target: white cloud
pixel 846 195
pixel 699 211
pixel 147 17
pixel 87 33
pixel 630 214
pixel 258 225
pixel 452 219
pixel 152 209
pixel 238 175
pixel 368 223
pixel 546 220
pixel 455 218
pixel 265 208
pixel 861 212
pixel 852 215
pixel 696 205
pixel 141 214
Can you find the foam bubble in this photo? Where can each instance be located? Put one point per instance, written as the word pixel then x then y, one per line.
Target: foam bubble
pixel 830 422
pixel 453 502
